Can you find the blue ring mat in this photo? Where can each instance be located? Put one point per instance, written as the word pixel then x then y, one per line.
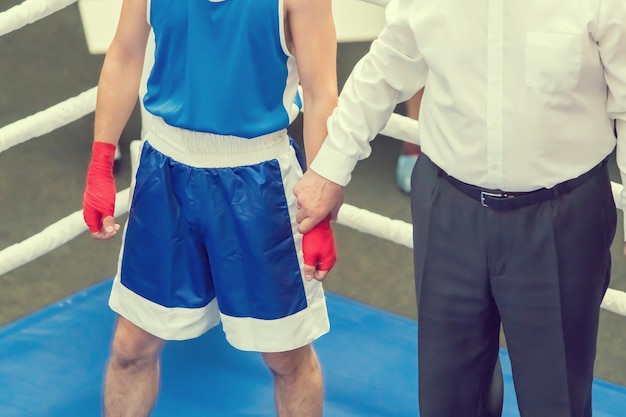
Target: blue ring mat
pixel 52 364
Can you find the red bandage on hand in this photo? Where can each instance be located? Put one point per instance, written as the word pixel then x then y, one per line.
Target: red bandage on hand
pixel 318 246
pixel 99 197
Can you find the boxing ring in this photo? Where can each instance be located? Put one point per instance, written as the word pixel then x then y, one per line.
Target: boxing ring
pixel 52 361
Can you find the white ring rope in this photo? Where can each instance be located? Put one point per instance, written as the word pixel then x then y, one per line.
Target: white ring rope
pixel 28 12
pixel 66 229
pixel 397 231
pixel 402 128
pixel 53 236
pixel 381 3
pixel 48 120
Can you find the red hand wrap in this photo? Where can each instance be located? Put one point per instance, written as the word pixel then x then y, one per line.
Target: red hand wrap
pixel 99 197
pixel 318 246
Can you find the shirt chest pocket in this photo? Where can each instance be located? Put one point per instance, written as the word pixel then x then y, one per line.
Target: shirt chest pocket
pixel 552 61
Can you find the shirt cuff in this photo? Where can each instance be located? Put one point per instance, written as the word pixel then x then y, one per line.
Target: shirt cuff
pixel 333 165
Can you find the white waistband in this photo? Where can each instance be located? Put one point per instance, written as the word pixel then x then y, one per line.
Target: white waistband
pixel 208 150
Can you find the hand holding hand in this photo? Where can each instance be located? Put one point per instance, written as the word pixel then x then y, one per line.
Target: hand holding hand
pixel 318 249
pixel 317 198
pixel 99 196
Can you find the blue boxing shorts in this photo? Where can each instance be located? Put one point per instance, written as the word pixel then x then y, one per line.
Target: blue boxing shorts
pixel 211 235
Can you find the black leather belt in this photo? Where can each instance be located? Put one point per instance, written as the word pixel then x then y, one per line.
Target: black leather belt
pixel 503 200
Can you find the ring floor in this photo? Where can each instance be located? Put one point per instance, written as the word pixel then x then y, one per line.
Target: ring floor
pixel 42 181
pixel 52 364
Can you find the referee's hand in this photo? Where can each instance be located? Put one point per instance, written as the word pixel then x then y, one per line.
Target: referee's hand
pixel 317 198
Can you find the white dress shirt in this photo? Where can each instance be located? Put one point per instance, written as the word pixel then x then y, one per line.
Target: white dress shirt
pixel 519 94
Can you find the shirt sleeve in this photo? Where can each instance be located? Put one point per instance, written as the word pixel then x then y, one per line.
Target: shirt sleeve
pixel 390 73
pixel 610 35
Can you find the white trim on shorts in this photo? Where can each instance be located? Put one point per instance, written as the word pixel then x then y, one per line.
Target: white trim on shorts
pixel 163 322
pixel 208 150
pixel 287 333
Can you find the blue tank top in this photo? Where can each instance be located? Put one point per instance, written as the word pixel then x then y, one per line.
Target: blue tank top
pixel 221 67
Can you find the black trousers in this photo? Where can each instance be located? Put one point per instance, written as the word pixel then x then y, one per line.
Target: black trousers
pixel 539 271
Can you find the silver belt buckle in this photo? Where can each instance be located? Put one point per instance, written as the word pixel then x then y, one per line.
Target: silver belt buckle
pixel 484 194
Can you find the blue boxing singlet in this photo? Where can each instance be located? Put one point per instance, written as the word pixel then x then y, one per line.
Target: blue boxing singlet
pixel 221 67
